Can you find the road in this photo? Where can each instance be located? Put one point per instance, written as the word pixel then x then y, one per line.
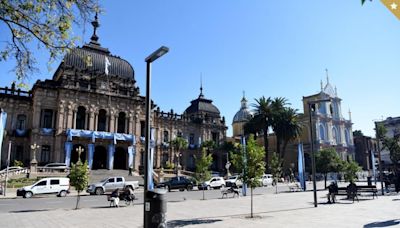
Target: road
pixel 51 202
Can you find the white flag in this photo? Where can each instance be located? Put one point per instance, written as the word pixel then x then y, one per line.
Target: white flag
pixel 107 64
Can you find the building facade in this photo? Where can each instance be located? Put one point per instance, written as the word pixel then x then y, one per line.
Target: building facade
pixel 392 125
pixel 92 102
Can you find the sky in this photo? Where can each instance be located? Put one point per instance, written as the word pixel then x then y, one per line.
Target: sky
pixel 270 48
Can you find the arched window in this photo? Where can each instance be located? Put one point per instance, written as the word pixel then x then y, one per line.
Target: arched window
pixel 347 136
pixel 321 132
pixel 81 117
pixel 335 135
pixel 102 120
pixel 121 122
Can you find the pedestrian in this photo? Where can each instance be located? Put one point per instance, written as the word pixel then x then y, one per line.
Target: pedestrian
pixel 130 171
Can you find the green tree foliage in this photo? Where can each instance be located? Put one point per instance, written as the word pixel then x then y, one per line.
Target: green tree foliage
pixel 287 127
pixel 251 160
pixel 47 23
pixel 18 163
pixel 261 121
pixel 203 164
pixel 350 171
pixel 276 169
pixel 79 178
pixel 275 114
pixel 327 160
pixel 179 144
pixel 392 144
pixel 358 133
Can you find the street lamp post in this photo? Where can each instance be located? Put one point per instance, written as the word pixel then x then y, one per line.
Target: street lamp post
pixel 310 103
pixel 8 165
pixel 379 157
pixel 151 58
pixel 34 147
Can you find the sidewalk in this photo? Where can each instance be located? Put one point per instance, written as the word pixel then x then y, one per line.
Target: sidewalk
pixel 271 210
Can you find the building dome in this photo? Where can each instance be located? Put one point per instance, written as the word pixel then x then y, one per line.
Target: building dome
pixel 93 58
pixel 202 105
pixel 243 115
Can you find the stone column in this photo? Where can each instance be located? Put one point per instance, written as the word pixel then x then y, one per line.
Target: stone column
pixel 74 120
pixel 112 122
pixel 96 120
pixel 131 124
pixel 91 119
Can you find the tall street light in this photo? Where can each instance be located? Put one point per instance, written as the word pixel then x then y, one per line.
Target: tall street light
pixel 151 58
pixel 310 103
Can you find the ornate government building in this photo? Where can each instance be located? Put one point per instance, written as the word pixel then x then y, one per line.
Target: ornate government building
pixel 92 102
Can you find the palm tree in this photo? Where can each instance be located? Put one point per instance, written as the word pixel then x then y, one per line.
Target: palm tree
pixel 261 121
pixel 178 143
pixel 278 119
pixel 288 127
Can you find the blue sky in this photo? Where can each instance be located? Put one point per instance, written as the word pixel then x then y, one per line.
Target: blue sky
pixel 266 48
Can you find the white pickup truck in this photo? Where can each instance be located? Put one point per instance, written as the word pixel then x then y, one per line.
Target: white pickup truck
pixel 110 184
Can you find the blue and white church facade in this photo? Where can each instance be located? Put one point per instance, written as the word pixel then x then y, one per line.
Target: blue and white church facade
pixel 330 128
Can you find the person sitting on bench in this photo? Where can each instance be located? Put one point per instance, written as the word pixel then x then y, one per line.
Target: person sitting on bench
pixel 114 198
pixel 333 190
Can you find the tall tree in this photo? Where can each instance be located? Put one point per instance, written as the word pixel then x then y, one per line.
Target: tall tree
pixel 261 121
pixel 79 178
pixel 203 164
pixel 327 160
pixel 252 162
pixel 287 127
pixel 47 23
pixel 178 144
pixel 278 120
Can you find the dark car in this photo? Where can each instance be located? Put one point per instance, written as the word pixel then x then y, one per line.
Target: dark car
pixel 180 183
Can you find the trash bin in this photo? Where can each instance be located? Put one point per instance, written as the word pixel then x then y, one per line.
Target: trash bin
pixel 369 181
pixel 156 208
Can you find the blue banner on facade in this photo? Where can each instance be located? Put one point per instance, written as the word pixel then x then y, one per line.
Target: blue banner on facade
pixel 111 151
pixel 151 161
pixel 68 148
pixel 91 155
pixel 3 121
pixel 244 188
pixel 301 166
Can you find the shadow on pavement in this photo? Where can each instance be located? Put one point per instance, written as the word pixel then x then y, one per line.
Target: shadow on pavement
pixel 182 223
pixel 28 211
pixel 392 222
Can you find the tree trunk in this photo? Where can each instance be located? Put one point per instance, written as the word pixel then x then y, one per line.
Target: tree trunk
pixel 203 194
pixel 284 149
pixel 251 190
pixel 78 197
pixel 326 177
pixel 266 147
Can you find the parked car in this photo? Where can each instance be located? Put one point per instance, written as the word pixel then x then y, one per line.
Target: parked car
pixel 109 184
pixel 180 183
pixel 215 182
pixel 62 167
pixel 234 181
pixel 267 179
pixel 12 170
pixel 52 185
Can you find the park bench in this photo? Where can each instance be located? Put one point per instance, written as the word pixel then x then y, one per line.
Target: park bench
pixel 294 187
pixel 369 189
pixel 231 190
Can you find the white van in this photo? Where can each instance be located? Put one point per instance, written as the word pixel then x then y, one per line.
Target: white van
pixel 51 185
